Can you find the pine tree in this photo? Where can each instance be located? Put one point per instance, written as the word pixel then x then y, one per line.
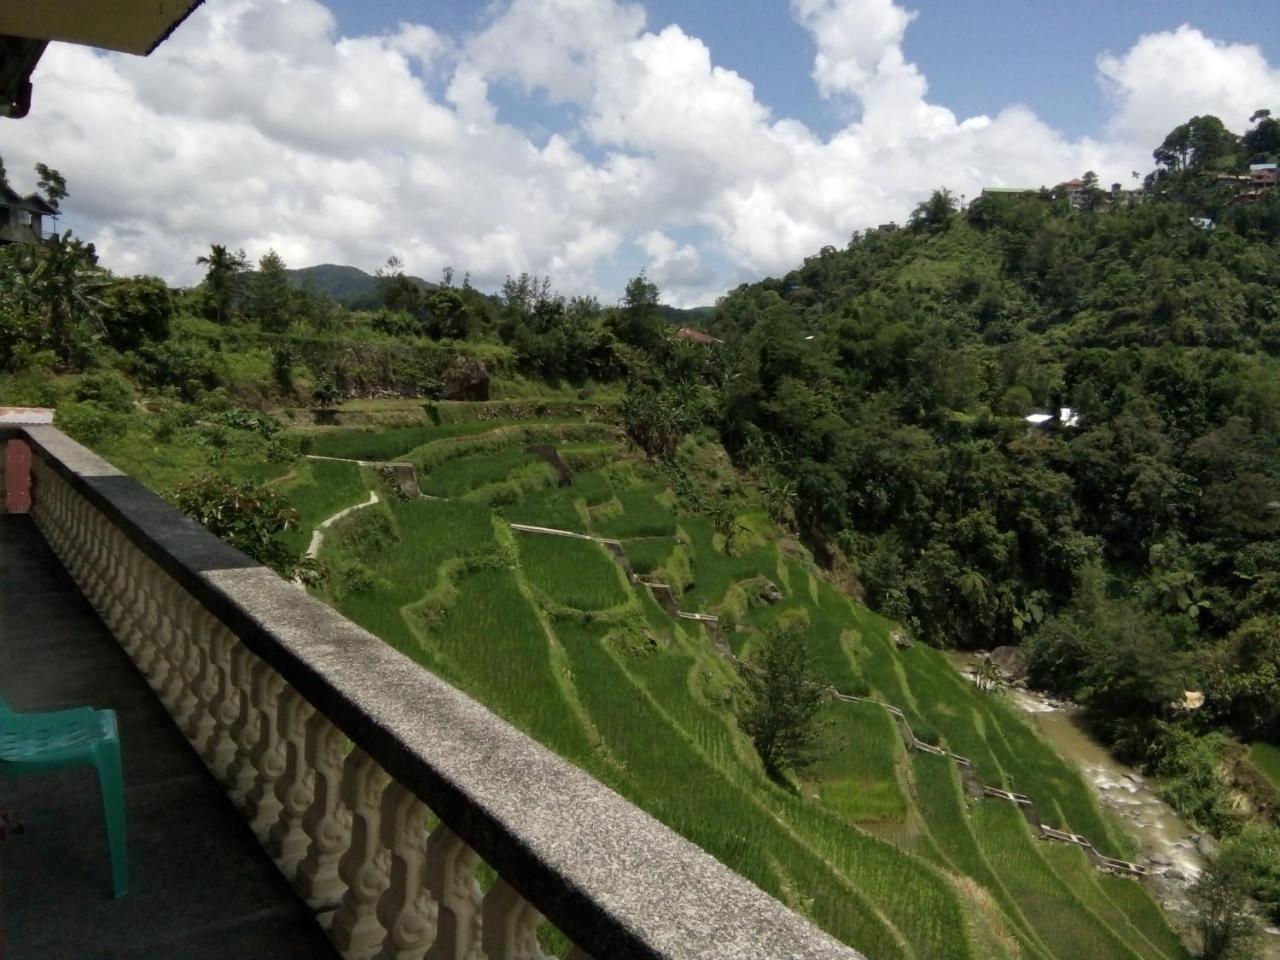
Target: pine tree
pixel 782 702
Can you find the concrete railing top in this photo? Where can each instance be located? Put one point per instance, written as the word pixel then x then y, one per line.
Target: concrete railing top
pixel 616 881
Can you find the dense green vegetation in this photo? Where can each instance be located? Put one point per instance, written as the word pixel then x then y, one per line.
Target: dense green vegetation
pixel 1132 542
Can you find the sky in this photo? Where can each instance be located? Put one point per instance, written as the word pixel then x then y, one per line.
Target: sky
pixel 708 142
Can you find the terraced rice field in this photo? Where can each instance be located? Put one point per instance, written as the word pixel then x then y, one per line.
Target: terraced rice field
pixel 880 847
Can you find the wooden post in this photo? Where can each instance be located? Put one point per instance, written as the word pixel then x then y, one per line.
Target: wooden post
pixel 17 476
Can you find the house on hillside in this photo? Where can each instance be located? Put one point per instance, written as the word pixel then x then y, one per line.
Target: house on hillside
pixel 1076 191
pixel 1264 176
pixel 696 336
pixel 1042 420
pixel 23 219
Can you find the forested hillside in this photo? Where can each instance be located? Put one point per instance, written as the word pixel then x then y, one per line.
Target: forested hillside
pixel 1130 540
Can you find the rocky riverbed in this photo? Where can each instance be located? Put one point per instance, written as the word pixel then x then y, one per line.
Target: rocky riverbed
pixel 1169 847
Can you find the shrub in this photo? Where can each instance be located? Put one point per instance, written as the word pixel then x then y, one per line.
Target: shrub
pixel 90 422
pixel 238 418
pixel 1192 778
pixel 187 366
pixel 1254 856
pixel 245 515
pixel 368 534
pixel 108 389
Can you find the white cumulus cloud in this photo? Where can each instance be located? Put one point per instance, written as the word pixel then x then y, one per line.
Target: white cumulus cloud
pixel 259 124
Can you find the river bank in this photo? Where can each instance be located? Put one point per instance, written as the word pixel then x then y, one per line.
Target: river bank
pixel 1172 850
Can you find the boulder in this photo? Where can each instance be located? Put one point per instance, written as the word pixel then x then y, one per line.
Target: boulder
pixel 1011 661
pixel 770 592
pixel 1207 845
pixel 465 379
pixel 900 640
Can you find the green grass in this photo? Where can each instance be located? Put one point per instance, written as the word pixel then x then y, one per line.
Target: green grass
pixel 490 642
pixel 1061 920
pixel 859 780
pixel 320 489
pixel 391 443
pixel 457 477
pixel 650 553
pixel 1266 758
pixel 714 571
pixel 553 507
pixel 431 534
pixel 641 515
pixel 877 846
pixel 575 573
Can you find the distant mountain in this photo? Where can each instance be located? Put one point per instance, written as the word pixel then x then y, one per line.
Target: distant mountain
pixel 685 316
pixel 352 287
pixel 349 286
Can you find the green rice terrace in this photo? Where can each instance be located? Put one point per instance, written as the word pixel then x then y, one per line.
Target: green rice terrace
pixel 881 846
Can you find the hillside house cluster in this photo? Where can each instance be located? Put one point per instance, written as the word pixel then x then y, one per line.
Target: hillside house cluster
pixel 1077 193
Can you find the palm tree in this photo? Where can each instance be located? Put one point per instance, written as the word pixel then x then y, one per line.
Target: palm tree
pixel 222 278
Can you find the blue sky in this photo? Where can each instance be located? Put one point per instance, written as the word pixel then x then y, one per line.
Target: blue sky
pixel 979 57
pixel 707 141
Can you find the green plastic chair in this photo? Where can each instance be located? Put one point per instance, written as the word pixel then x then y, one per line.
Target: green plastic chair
pixel 42 742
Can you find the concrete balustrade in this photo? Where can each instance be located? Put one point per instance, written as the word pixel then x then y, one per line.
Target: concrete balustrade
pixel 379 789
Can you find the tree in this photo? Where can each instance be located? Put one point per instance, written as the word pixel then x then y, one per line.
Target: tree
pixel 1227 928
pixel 638 321
pixel 1194 145
pixel 934 213
pixel 136 310
pixel 397 291
pixel 222 279
pixel 65 283
pixel 782 702
pixel 988 676
pixel 52 184
pixel 270 295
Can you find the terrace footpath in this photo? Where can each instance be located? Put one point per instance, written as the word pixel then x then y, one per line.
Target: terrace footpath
pixel 200 884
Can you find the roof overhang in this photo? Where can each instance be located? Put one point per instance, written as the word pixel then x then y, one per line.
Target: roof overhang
pixel 130 26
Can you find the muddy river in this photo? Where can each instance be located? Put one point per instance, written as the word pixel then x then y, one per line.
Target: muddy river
pixel 1170 847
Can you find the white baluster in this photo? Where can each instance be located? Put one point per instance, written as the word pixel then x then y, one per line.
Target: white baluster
pixel 224 704
pixel 451 878
pixel 405 910
pixel 245 730
pixel 287 841
pixel 202 677
pixel 327 821
pixel 262 808
pixel 511 925
pixel 366 866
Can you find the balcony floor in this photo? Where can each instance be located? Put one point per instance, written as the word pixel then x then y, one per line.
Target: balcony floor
pixel 200 885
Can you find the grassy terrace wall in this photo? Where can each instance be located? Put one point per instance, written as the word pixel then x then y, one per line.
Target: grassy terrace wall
pixel 878 846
